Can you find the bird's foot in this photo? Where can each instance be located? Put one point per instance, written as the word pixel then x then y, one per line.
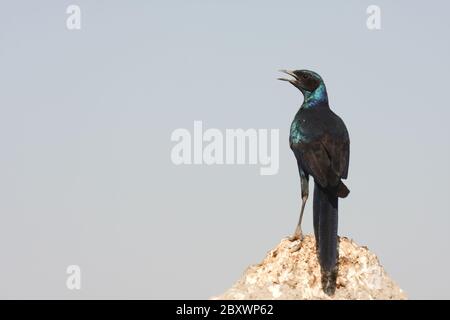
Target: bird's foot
pixel 296 247
pixel 297 236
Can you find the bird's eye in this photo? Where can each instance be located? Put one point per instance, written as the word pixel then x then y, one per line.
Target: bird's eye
pixel 305 76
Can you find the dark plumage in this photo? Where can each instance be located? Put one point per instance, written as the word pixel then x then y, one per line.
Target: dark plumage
pixel 321 145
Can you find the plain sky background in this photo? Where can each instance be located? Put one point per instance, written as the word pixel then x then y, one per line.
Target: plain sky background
pixel 86 118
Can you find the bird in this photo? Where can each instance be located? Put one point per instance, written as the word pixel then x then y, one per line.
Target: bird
pixel 320 142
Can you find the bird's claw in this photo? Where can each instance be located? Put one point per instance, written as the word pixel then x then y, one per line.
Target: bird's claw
pixel 296 247
pixel 297 236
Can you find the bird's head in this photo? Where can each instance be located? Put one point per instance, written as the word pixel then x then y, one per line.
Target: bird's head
pixel 309 83
pixel 304 80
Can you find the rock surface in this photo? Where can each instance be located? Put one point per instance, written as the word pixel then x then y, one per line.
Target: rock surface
pixel 296 275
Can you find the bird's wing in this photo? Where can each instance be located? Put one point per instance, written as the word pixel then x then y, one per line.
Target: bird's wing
pixel 338 150
pixel 337 143
pixel 314 160
pixel 346 157
pixel 325 158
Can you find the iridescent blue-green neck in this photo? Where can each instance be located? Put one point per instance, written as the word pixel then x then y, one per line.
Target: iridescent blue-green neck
pixel 315 98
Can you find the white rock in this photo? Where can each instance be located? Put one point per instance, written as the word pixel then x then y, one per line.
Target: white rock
pixel 296 275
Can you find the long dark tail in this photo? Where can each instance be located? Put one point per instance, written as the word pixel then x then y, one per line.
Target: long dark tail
pixel 325 211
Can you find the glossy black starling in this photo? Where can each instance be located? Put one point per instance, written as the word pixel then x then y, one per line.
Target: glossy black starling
pixel 321 145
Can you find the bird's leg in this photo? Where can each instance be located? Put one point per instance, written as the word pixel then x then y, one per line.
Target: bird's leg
pixel 298 235
pixel 298 230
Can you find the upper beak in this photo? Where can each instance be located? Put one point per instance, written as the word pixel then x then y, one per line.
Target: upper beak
pixel 291 73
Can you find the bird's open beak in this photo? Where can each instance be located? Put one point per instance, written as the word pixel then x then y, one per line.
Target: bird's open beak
pixel 292 74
